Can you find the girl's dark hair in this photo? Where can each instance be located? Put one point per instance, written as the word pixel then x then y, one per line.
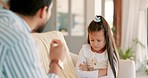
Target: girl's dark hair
pixel 28 7
pixel 100 24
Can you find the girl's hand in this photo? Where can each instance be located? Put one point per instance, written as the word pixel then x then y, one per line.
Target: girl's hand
pixel 83 67
pixel 102 72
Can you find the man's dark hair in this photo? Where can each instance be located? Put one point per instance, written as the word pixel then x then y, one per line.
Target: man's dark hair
pixel 28 7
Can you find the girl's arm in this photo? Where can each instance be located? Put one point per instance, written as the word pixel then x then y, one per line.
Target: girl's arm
pixel 80 73
pixel 102 72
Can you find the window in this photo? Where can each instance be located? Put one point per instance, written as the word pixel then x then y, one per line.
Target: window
pixel 105 8
pixel 77 11
pixel 70 17
pixel 62 16
pixel 109 8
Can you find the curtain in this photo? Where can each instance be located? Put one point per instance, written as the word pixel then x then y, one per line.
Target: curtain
pixel 134 26
pixel 117 21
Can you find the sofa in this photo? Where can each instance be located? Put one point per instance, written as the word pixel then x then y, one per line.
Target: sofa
pixel 126 67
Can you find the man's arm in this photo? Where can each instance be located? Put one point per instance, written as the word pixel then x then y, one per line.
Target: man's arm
pixel 57 53
pixel 54 68
pixel 22 61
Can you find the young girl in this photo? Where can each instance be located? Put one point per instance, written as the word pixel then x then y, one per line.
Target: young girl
pixel 98 58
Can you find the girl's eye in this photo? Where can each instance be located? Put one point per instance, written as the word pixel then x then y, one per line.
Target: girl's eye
pixel 99 40
pixel 92 40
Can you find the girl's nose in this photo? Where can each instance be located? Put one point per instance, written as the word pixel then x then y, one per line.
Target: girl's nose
pixel 95 44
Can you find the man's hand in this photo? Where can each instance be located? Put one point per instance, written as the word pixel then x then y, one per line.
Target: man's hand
pixel 57 50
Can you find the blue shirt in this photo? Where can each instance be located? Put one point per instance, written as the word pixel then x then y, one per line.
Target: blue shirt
pixel 19 55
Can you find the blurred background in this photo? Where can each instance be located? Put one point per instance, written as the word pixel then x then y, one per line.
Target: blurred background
pixel 127 19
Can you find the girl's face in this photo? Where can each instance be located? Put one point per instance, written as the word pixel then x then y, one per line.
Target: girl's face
pixel 97 40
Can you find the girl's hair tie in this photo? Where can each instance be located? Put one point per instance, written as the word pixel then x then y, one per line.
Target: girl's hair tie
pixel 97 19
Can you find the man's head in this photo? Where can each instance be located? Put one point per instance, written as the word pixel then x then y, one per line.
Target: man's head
pixel 41 9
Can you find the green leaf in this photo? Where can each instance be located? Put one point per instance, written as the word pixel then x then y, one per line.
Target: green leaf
pixel 128 54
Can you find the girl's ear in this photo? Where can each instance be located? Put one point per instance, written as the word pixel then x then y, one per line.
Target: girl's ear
pixel 42 12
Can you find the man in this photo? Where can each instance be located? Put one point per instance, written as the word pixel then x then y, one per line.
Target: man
pixel 19 55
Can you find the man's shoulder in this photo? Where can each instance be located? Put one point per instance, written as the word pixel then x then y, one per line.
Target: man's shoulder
pixel 12 35
pixel 11 29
